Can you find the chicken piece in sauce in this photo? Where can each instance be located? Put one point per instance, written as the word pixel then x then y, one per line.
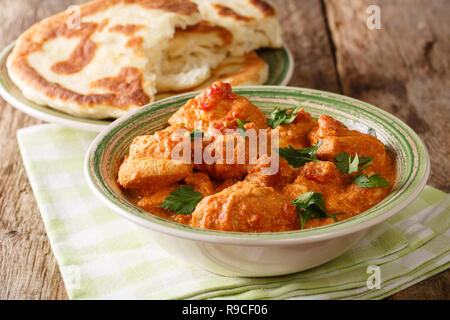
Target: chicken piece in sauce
pixel 336 138
pixel 246 207
pixel 150 164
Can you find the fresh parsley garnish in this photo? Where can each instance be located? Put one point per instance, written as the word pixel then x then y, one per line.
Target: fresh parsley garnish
pixel 182 201
pixel 364 181
pixel 241 128
pixel 281 116
pixel 299 157
pixel 348 164
pixel 196 134
pixel 311 205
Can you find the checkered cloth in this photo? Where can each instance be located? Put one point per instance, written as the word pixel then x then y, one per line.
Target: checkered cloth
pixel 102 256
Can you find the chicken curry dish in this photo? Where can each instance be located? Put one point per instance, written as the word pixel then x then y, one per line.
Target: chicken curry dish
pixel 221 164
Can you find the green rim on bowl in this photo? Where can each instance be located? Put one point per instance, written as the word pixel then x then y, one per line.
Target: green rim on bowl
pixel 280 61
pixel 412 162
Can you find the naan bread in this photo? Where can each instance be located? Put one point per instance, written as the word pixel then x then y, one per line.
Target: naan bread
pixel 241 26
pixel 124 52
pixel 253 23
pixel 106 67
pixel 191 55
pixel 238 71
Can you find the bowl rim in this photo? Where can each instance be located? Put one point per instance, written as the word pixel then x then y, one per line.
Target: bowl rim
pixel 161 225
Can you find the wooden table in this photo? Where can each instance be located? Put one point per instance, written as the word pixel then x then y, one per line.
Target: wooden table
pixel 404 68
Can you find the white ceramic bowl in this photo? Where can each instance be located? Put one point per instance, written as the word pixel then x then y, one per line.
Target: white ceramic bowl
pixel 261 254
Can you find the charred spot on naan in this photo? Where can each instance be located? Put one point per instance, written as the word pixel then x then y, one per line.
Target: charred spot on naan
pixel 177 6
pixel 230 13
pixel 135 43
pixel 184 7
pixel 83 53
pixel 126 29
pixel 126 86
pixel 265 8
pixel 204 27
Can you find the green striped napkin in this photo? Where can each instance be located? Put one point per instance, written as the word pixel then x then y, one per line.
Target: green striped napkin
pixel 102 256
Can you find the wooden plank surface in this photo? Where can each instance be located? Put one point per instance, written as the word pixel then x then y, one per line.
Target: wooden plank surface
pixel 403 68
pixel 28 268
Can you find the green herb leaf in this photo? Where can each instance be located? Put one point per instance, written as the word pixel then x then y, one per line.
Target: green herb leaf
pixel 281 116
pixel 241 128
pixel 347 164
pixel 182 201
pixel 196 134
pixel 364 181
pixel 311 205
pixel 299 157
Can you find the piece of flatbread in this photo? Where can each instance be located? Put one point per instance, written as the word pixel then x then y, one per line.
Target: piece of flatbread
pixel 238 71
pixel 100 60
pixel 191 55
pixel 253 23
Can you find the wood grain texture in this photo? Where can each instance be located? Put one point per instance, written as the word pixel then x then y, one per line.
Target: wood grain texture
pixel 306 35
pixel 403 68
pixel 28 269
